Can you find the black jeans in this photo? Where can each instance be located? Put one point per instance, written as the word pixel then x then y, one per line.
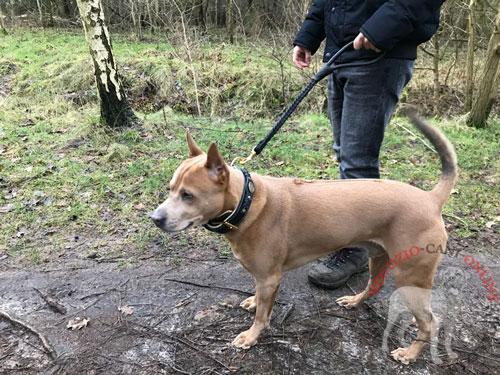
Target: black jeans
pixel 360 103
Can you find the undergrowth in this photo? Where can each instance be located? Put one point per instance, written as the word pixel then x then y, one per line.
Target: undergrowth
pixel 64 177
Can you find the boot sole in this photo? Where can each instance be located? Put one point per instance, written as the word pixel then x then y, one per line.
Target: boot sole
pixel 336 284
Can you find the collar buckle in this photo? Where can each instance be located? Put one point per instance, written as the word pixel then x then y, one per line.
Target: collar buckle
pixel 231 226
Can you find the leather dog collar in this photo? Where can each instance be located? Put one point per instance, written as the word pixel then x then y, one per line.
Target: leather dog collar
pixel 230 220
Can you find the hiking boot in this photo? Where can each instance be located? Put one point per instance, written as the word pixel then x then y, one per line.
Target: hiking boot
pixel 338 267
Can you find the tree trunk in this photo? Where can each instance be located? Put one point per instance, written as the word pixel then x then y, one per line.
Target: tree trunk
pixel 12 10
pixel 481 108
pixel 40 12
pixel 494 93
pixel 230 20
pixel 3 31
pixel 200 18
pixel 51 13
pixel 64 9
pixel 135 20
pixel 469 86
pixel 435 60
pixel 115 109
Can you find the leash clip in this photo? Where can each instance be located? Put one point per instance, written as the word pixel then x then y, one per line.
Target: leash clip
pixel 242 160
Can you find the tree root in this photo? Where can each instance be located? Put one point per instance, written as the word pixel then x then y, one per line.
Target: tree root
pixel 45 343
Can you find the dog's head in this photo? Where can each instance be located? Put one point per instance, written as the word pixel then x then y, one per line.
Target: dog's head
pixel 197 190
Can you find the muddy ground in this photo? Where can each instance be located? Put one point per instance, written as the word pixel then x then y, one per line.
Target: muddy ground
pixel 162 317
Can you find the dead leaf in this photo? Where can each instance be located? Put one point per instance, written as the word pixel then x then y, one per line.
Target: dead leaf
pixel 22 232
pixel 77 323
pixel 7 208
pixel 279 163
pixel 126 310
pixel 488 225
pixel 10 195
pixel 139 206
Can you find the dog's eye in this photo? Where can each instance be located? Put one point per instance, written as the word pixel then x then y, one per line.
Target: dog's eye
pixel 186 196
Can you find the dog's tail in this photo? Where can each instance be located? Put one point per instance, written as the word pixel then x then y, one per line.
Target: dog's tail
pixel 446 153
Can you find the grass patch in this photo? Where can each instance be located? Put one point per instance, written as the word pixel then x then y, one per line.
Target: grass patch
pixel 64 178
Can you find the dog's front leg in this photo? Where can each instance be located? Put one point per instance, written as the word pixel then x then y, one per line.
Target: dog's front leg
pixel 264 297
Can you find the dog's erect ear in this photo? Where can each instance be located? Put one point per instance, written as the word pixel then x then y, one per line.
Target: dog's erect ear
pixel 194 149
pixel 218 170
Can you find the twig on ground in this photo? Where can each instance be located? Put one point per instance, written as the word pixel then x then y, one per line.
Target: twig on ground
pixel 184 342
pixel 178 369
pixel 52 302
pixel 420 138
pixel 287 313
pixel 457 218
pixel 46 344
pixel 333 313
pixel 314 300
pixel 244 292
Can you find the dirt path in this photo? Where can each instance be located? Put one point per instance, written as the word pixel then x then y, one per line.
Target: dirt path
pixel 185 316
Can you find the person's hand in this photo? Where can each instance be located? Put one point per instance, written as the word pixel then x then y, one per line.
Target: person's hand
pixel 362 42
pixel 301 57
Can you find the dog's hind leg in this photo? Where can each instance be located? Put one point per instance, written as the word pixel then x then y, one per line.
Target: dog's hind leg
pixel 377 267
pixel 418 302
pixel 266 289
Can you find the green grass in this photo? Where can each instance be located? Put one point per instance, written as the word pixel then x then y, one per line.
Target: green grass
pixel 62 175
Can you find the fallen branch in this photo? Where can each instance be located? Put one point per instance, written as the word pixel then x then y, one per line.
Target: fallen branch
pixel 420 138
pixel 333 313
pixel 457 218
pixel 52 302
pixel 209 286
pixel 244 292
pixel 46 344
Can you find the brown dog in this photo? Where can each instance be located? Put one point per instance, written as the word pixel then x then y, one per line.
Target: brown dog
pixel 291 222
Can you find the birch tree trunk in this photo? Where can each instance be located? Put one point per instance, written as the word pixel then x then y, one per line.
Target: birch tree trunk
pixel 115 109
pixel 40 12
pixel 469 80
pixel 481 108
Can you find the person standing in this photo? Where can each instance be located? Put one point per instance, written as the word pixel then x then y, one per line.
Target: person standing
pixel 361 99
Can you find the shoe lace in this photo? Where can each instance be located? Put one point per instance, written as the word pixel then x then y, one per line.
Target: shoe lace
pixel 335 259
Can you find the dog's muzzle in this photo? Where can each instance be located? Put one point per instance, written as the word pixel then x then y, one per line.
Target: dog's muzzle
pixel 159 220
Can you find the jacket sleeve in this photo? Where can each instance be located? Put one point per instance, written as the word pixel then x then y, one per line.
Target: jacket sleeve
pixel 398 19
pixel 312 31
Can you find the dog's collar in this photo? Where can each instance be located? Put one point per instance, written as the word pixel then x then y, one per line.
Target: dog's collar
pixel 230 220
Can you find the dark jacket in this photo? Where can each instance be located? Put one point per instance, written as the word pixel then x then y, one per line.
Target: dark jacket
pixel 396 26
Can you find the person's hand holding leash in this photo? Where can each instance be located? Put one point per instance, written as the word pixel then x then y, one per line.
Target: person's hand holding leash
pixel 362 42
pixel 301 57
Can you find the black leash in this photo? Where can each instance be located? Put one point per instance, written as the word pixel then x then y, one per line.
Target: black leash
pixel 326 70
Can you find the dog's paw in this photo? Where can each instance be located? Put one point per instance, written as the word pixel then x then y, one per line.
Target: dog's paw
pixel 250 304
pixel 403 355
pixel 436 360
pixel 245 340
pixel 452 355
pixel 348 301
